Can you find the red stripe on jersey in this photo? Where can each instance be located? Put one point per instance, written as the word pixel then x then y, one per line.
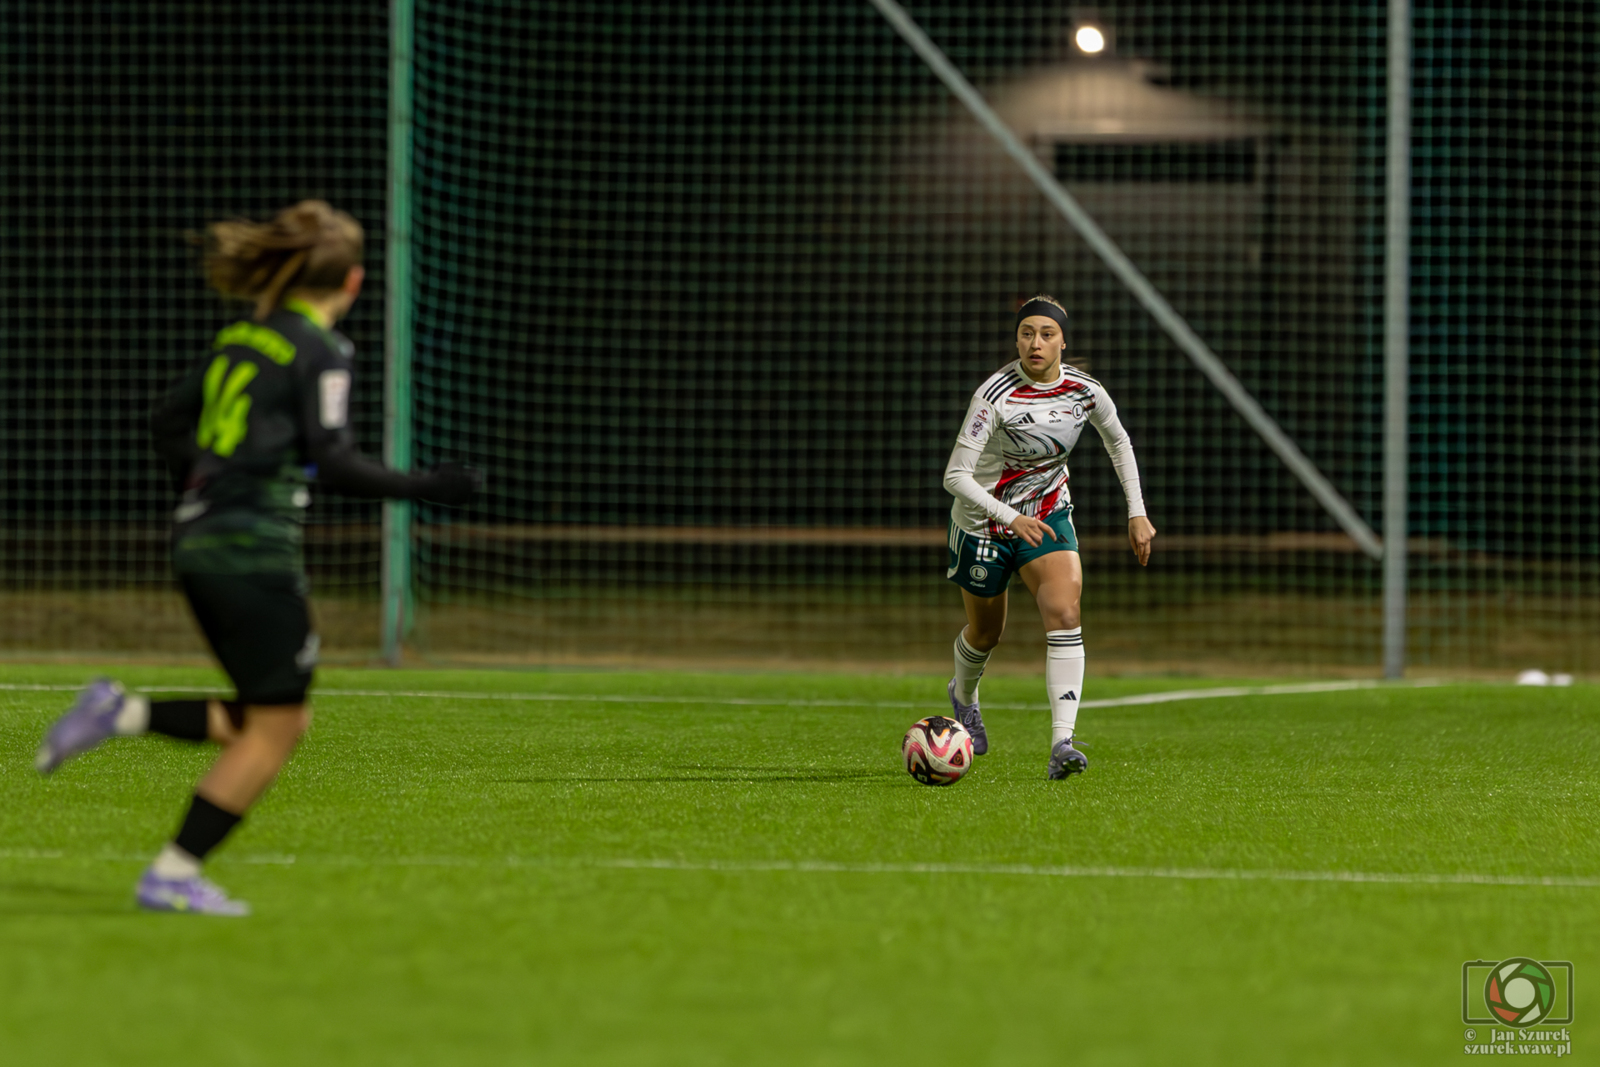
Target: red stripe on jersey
pixel 1061 388
pixel 1011 474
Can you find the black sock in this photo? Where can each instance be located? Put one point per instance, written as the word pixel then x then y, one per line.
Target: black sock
pixel 204 827
pixel 183 719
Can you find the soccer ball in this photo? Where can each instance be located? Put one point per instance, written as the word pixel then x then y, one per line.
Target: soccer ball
pixel 938 750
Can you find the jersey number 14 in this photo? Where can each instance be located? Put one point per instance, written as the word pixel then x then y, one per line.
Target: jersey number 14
pixel 226 415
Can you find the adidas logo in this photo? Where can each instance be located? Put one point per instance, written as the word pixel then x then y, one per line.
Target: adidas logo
pixel 1024 419
pixel 1069 695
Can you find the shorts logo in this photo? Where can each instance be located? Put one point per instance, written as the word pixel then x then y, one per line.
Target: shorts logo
pixel 979 573
pixel 306 658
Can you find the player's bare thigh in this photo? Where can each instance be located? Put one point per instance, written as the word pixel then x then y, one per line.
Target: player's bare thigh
pixel 986 619
pixel 1056 582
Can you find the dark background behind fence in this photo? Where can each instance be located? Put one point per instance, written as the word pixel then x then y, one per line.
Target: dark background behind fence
pixel 713 265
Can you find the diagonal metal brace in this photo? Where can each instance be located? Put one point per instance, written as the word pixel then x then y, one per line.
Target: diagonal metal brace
pixel 1135 282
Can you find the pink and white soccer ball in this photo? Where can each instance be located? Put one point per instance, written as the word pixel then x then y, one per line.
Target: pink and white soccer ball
pixel 938 750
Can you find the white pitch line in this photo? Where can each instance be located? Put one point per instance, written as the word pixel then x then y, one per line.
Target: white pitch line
pixel 1196 874
pixel 1161 697
pixel 1015 870
pixel 532 698
pixel 1261 691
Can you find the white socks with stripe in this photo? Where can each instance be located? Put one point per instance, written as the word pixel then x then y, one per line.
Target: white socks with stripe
pixel 1063 680
pixel 969 669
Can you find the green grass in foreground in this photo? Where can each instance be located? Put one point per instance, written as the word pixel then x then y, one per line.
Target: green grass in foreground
pixel 449 900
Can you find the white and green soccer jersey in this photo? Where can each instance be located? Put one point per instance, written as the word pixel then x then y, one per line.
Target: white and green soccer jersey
pixel 1010 458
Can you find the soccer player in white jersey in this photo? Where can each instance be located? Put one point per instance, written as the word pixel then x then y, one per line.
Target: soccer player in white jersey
pixel 1013 515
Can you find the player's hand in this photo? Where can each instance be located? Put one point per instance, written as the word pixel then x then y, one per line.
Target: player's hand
pixel 1140 536
pixel 1032 530
pixel 452 484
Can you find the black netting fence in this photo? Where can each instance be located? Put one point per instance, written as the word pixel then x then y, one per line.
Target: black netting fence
pixel 706 287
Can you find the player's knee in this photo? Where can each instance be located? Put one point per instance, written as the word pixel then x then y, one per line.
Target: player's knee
pixel 283 723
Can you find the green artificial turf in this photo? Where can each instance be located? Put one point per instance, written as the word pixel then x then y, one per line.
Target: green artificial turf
pixel 456 881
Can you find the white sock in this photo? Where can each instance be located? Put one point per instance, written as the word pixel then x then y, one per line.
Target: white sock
pixel 1063 680
pixel 173 862
pixel 969 669
pixel 134 718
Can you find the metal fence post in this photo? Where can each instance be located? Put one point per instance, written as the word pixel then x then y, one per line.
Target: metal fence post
pixel 1396 342
pixel 396 590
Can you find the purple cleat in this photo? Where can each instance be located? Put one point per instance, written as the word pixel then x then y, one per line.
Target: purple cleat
pixel 1066 761
pixel 969 716
pixel 195 896
pixel 92 719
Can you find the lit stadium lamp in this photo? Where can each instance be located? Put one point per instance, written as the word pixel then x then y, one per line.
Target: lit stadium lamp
pixel 1090 40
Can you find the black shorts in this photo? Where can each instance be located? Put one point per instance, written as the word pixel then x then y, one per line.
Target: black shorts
pixel 260 628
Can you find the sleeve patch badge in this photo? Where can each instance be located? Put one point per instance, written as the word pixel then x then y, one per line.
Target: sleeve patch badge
pixel 979 423
pixel 333 396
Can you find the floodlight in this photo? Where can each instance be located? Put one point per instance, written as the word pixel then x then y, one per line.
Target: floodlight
pixel 1090 40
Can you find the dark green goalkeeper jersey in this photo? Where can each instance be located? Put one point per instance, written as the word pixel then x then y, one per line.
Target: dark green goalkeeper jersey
pixel 239 432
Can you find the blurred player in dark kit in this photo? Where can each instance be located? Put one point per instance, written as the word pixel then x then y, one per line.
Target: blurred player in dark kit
pixel 256 418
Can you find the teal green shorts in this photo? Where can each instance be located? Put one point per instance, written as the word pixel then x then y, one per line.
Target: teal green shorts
pixel 983 566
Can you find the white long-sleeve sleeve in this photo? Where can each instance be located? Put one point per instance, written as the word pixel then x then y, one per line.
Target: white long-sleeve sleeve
pixel 960 474
pixel 1120 448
